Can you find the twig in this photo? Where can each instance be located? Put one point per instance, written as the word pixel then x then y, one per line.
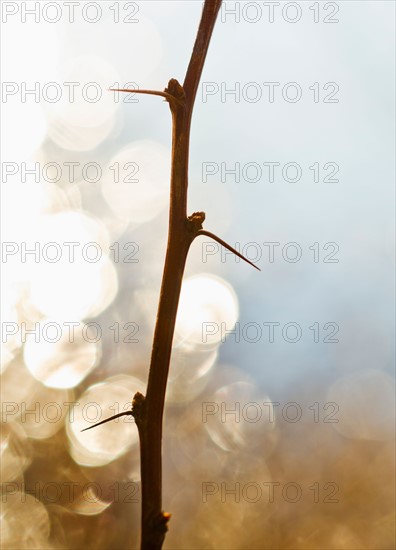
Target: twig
pixel 183 229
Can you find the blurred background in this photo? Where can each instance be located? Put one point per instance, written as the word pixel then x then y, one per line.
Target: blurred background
pixel 279 422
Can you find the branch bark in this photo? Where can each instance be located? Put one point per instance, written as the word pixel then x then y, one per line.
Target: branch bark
pixel 148 411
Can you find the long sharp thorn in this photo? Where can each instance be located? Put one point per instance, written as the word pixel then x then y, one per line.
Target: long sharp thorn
pixel 108 420
pixel 223 243
pixel 167 96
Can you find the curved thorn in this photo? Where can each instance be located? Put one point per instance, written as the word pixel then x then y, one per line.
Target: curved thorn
pixel 108 420
pixel 220 241
pixel 167 96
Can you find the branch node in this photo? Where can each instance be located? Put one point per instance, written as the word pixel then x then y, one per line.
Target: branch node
pixel 195 222
pixel 160 522
pixel 138 407
pixel 175 89
pixel 157 527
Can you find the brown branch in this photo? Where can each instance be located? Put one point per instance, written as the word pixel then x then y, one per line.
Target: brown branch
pixel 197 61
pixel 182 231
pixel 148 411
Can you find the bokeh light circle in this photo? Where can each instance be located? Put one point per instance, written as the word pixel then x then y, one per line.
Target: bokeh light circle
pixel 208 306
pixel 137 187
pixel 65 359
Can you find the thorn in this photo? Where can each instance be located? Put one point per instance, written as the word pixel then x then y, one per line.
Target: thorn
pixel 108 420
pixel 220 241
pixel 167 96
